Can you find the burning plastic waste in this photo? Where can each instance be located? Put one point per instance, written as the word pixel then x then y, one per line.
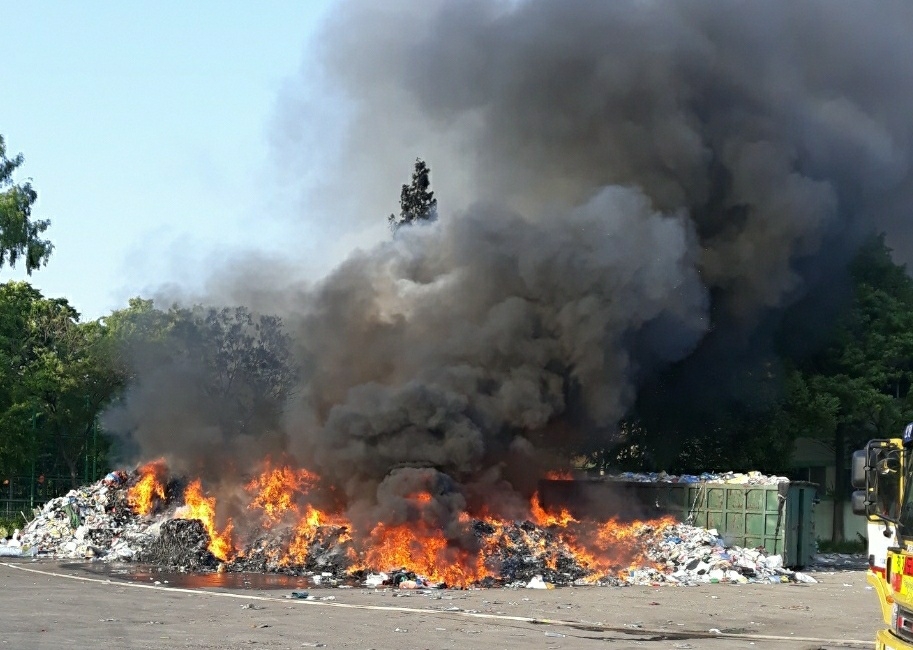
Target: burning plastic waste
pixel 275 490
pixel 149 487
pixel 295 536
pixel 203 508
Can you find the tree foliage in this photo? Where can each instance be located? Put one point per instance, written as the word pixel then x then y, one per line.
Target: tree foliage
pixel 56 378
pixel 855 386
pixel 20 234
pixel 58 375
pixel 240 362
pixel 416 200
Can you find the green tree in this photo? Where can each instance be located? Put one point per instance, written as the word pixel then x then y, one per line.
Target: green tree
pixel 854 387
pixel 17 408
pixel 416 200
pixel 57 376
pixel 240 362
pixel 71 380
pixel 20 235
pixel 858 386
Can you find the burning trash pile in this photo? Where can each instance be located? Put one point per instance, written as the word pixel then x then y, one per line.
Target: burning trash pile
pixel 149 519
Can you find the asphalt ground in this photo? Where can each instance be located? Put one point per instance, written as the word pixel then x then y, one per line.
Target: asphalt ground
pixel 48 604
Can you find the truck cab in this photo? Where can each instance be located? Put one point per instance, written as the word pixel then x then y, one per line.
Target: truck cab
pixel 882 474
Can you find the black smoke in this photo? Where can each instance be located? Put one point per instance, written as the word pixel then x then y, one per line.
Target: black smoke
pixel 625 187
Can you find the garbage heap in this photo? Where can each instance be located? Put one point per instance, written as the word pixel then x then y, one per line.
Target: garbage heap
pixel 732 478
pixel 690 555
pixel 673 554
pixel 98 522
pixel 92 521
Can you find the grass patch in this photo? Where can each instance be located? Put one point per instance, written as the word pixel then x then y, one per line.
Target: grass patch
pixel 853 546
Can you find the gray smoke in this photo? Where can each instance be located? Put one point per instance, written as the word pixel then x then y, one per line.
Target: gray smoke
pixel 457 345
pixel 615 179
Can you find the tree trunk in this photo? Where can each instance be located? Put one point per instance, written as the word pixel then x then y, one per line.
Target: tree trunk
pixel 74 478
pixel 840 483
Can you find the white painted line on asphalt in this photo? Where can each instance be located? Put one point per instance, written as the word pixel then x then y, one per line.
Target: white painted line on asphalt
pixel 673 635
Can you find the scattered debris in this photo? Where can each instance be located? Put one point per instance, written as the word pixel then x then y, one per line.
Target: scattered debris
pixel 840 562
pixel 115 479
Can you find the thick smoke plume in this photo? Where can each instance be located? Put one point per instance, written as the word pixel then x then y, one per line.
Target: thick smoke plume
pixel 623 185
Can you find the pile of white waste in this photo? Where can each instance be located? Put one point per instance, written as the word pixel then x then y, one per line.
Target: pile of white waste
pixel 94 521
pixel 690 555
pixel 732 478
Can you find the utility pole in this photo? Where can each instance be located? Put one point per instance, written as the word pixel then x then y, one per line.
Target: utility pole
pixel 95 448
pixel 34 453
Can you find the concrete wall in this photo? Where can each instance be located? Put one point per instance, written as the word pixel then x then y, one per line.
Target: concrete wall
pixel 809 452
pixel 824 519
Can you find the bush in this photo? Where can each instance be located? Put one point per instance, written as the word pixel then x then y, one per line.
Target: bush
pixel 852 546
pixel 9 524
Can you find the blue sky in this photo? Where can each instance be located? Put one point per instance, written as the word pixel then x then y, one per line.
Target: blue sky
pixel 146 131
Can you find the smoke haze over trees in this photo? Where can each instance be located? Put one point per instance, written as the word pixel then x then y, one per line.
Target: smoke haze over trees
pixel 648 215
pixel 416 200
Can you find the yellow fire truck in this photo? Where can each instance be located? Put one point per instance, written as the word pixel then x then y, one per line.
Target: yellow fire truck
pixel 883 476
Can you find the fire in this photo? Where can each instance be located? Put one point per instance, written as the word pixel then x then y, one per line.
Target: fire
pixel 203 508
pixel 559 475
pixel 417 548
pixel 141 496
pixel 423 549
pixel 543 518
pixel 307 530
pixel 606 549
pixel 275 491
pixel 475 547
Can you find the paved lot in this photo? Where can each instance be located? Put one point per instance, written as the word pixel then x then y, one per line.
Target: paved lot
pixel 49 605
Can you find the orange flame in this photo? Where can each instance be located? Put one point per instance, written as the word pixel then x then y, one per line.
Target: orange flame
pixel 559 475
pixel 605 548
pixel 422 549
pixel 307 530
pixel 417 548
pixel 141 496
pixel 203 508
pixel 543 518
pixel 276 489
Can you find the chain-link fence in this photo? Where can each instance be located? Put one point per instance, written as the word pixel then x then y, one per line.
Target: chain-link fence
pixel 48 475
pixel 19 494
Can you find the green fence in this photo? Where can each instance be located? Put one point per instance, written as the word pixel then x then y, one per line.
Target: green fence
pixel 46 475
pixel 19 494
